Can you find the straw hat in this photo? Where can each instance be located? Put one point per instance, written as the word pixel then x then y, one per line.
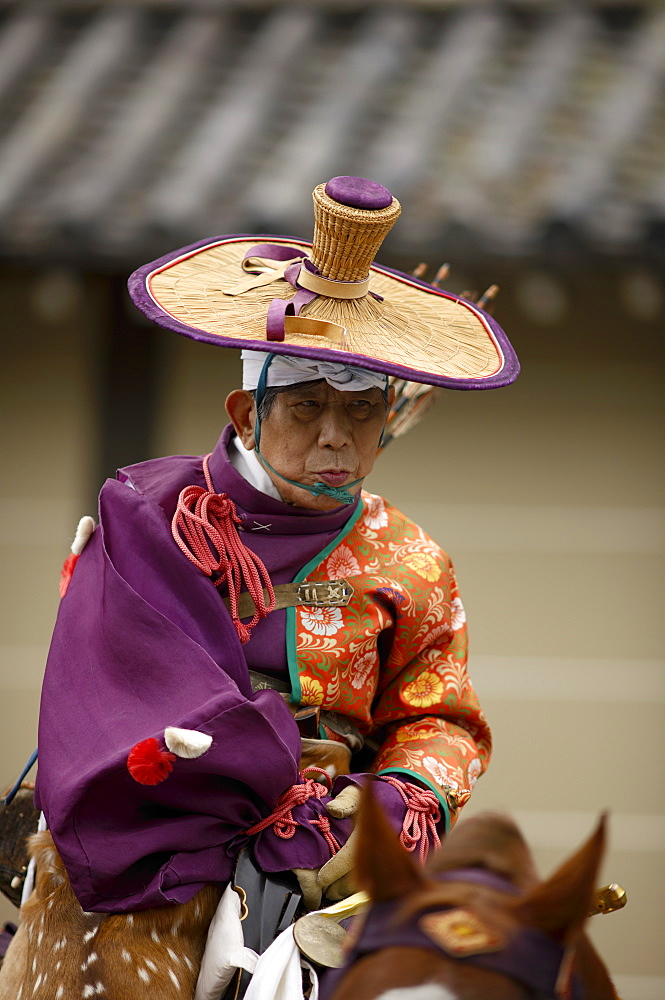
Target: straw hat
pixel 327 299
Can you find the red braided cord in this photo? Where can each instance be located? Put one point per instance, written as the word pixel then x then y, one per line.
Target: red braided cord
pixel 204 529
pixel 323 826
pixel 422 815
pixel 282 820
pixel 320 772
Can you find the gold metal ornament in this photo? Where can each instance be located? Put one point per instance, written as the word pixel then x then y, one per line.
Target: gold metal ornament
pixel 460 932
pixel 608 899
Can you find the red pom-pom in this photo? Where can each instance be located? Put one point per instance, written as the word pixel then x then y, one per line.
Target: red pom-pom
pixel 66 572
pixel 149 765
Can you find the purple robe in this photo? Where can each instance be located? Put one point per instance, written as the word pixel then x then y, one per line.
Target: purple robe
pixel 284 537
pixel 143 641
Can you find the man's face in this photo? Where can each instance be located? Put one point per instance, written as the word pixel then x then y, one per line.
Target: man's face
pixel 314 433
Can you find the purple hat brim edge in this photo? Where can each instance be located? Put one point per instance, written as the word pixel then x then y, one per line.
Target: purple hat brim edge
pixel 143 300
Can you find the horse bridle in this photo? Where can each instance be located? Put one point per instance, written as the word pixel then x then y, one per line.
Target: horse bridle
pixel 529 956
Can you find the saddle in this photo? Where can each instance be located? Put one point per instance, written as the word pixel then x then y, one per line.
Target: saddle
pixel 18 819
pixel 270 903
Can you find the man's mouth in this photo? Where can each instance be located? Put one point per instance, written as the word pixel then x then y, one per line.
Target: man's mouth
pixel 333 478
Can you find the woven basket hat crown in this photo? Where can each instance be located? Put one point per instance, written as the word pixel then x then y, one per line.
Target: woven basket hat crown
pixel 352 217
pixel 327 300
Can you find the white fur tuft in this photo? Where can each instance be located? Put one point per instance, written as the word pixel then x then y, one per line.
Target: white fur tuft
pixel 186 742
pixel 84 531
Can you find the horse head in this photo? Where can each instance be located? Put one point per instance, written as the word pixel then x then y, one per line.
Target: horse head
pixel 475 922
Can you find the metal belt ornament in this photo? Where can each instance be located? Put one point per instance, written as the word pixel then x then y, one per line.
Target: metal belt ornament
pixel 318 594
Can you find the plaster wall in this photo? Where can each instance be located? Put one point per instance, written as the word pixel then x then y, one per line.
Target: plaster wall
pixel 548 495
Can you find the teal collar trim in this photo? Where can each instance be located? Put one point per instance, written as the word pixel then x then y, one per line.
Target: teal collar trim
pixel 291 652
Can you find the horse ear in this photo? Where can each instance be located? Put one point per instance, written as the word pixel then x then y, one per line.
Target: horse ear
pixel 559 907
pixel 385 870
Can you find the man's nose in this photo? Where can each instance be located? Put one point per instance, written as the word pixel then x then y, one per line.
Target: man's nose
pixel 335 428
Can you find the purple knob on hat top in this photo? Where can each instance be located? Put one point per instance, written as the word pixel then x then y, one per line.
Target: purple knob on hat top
pixel 358 192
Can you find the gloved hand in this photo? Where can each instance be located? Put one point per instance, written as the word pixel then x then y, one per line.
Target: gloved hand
pixel 345 803
pixel 317 872
pixel 335 878
pixel 309 886
pixel 304 837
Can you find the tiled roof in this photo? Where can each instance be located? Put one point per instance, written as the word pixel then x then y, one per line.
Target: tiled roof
pixel 129 128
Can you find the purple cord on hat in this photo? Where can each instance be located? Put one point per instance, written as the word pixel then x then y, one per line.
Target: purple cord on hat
pixel 357 192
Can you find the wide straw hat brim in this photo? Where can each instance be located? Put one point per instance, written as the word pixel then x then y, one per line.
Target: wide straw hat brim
pixel 407 328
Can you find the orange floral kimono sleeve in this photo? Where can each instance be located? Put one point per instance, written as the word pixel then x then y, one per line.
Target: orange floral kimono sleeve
pixel 394 659
pixel 429 717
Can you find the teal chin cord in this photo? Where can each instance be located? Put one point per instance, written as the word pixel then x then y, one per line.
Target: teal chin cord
pixel 340 493
pixel 336 492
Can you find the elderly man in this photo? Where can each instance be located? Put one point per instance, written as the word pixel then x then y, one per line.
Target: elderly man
pixel 221 596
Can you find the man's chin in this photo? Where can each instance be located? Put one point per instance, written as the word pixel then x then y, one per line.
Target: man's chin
pixel 295 496
pixel 307 501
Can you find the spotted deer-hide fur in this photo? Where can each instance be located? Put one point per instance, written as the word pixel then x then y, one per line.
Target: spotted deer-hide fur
pixel 60 952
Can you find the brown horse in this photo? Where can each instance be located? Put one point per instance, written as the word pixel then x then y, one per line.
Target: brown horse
pixel 475 924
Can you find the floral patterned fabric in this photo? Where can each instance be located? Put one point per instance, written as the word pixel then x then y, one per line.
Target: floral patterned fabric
pixel 394 659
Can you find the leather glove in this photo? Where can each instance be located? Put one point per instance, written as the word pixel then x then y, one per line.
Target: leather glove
pixel 345 804
pixel 309 886
pixel 335 878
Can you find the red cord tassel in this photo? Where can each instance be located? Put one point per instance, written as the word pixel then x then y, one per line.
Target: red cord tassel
pixel 149 765
pixel 205 529
pixel 422 814
pixel 66 573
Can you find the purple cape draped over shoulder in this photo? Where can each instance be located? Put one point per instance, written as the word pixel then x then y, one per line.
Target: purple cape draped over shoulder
pixel 143 642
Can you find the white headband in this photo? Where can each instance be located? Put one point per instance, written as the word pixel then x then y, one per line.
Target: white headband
pixel 286 370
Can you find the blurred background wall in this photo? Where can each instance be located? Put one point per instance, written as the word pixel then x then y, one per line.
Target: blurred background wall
pixel 526 142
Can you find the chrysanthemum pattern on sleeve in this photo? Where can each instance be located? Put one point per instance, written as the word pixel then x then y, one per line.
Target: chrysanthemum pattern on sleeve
pixel 394 659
